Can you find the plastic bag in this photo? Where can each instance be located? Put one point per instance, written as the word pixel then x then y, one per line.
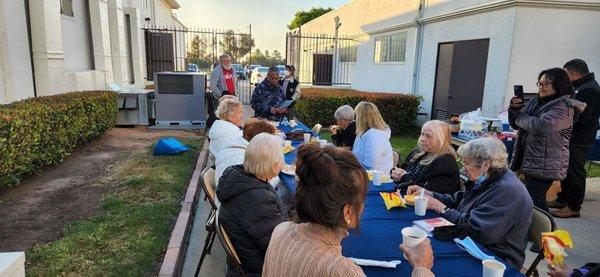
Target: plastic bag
pixel 554 244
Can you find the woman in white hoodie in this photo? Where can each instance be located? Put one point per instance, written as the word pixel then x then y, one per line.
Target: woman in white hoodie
pixel 372 146
pixel 226 140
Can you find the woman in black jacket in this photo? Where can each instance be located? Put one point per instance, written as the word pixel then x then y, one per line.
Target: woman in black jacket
pixel 250 208
pixel 433 164
pixel 344 133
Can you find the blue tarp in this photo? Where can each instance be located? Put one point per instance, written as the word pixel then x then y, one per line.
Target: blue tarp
pixel 169 146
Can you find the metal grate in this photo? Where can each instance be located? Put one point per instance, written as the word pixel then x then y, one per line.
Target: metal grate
pixel 175 84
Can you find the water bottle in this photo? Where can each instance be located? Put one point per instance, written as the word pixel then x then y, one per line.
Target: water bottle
pixel 285 121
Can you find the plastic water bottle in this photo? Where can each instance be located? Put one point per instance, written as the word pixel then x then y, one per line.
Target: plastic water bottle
pixel 285 121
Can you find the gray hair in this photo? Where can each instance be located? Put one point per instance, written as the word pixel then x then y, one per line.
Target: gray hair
pixel 482 149
pixel 345 112
pixel 224 56
pixel 227 108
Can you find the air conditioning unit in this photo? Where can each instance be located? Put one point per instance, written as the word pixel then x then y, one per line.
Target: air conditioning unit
pixel 180 100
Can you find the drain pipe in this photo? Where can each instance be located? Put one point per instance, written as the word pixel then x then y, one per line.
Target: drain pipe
pixel 419 45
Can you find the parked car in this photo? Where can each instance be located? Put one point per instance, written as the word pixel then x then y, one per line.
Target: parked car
pixel 192 67
pixel 258 75
pixel 251 67
pixel 239 70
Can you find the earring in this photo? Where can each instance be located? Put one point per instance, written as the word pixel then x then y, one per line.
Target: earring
pixel 348 221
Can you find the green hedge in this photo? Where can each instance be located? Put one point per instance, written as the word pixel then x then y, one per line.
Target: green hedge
pixel 317 105
pixel 42 131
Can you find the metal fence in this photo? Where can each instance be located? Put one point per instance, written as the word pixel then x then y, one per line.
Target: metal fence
pixel 197 49
pixel 322 59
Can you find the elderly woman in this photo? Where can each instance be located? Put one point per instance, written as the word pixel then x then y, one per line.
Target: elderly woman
pixel 372 146
pixel 433 164
pixel 226 130
pixel 332 186
pixel 541 151
pixel 250 208
pixel 233 154
pixel 343 133
pixel 495 207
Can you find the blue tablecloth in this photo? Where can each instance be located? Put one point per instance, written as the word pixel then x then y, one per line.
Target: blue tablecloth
pixel 290 158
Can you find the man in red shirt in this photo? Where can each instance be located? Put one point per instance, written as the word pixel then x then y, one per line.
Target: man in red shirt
pixel 223 78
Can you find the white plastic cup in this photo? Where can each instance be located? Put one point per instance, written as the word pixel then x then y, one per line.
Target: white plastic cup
pixel 493 268
pixel 377 176
pixel 306 137
pixel 322 142
pixel 412 236
pixel 421 205
pixel 287 143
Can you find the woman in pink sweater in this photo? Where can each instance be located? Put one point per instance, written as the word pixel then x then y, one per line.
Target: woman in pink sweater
pixel 330 196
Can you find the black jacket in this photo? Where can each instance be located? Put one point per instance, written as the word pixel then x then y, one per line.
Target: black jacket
pixel 587 90
pixel 441 175
pixel 290 89
pixel 346 137
pixel 250 210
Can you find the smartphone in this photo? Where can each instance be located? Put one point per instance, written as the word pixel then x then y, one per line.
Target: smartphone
pixel 519 91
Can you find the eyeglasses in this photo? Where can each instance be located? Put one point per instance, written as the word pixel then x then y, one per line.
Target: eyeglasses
pixel 542 84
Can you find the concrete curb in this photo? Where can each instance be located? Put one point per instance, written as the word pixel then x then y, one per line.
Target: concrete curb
pixel 173 261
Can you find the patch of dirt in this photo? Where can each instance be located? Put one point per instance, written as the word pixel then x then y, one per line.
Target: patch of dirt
pixel 38 209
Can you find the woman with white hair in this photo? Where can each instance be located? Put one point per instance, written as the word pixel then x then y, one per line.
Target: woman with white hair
pixel 433 164
pixel 250 208
pixel 226 130
pixel 343 133
pixel 495 209
pixel 372 146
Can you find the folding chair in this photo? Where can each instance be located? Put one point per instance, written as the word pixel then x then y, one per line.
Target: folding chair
pixel 317 128
pixel 232 255
pixel 541 222
pixel 208 180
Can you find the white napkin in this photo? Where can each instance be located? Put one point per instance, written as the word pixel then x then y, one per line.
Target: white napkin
pixel 390 264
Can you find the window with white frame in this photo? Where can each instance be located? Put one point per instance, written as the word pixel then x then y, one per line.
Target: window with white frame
pixel 348 53
pixel 66 7
pixel 390 48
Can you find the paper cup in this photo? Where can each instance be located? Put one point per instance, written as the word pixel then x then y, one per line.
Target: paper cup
pixel 306 137
pixel 493 268
pixel 421 205
pixel 412 236
pixel 377 176
pixel 322 142
pixel 287 143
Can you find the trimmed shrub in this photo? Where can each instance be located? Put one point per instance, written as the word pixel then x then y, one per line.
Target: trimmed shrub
pixel 41 131
pixel 317 105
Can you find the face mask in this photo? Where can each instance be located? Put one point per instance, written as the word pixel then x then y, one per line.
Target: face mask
pixel 480 180
pixel 469 245
pixel 287 74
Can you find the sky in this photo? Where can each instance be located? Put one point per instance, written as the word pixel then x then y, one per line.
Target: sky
pixel 269 18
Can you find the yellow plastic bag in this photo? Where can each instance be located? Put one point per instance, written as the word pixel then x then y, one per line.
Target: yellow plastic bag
pixel 392 199
pixel 554 244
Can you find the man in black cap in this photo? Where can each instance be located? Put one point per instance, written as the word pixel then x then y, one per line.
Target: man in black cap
pixel 268 96
pixel 290 87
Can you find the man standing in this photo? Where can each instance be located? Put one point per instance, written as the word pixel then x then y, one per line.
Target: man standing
pixel 290 88
pixel 587 90
pixel 268 96
pixel 222 82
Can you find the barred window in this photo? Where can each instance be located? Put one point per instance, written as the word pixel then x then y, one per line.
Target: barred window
pixel 66 7
pixel 348 53
pixel 390 48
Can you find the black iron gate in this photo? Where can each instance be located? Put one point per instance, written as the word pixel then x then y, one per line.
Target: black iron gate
pixel 198 49
pixel 321 59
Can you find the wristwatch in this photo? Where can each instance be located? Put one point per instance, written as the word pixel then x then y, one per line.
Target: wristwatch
pixel 444 210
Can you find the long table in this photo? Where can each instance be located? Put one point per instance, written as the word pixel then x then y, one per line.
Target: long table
pixel 379 237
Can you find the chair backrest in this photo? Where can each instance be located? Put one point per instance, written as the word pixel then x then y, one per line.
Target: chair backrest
pixel 396 157
pixel 317 128
pixel 208 185
pixel 228 246
pixel 541 221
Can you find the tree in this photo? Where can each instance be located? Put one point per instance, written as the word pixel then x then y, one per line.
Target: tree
pixel 198 52
pixel 265 59
pixel 236 45
pixel 302 17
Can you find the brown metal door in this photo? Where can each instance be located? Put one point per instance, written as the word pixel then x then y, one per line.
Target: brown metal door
pixel 442 81
pixel 467 79
pixel 322 69
pixel 159 53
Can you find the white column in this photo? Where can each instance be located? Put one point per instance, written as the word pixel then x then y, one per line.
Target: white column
pixel 117 41
pixel 101 38
pixel 138 50
pixel 46 40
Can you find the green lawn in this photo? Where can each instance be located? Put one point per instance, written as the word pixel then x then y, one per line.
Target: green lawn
pixel 132 232
pixel 405 143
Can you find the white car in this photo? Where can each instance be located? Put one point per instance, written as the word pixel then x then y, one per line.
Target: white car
pixel 258 75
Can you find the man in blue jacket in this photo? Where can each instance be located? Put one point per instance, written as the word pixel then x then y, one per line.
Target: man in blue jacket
pixel 268 96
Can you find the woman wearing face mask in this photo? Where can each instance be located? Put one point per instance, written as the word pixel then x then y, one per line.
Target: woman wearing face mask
pixel 433 164
pixel 290 87
pixel 541 152
pixel 495 206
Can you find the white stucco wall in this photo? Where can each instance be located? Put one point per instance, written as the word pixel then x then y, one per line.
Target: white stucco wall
pixel 550 37
pixel 77 46
pixel 15 59
pixel 497 25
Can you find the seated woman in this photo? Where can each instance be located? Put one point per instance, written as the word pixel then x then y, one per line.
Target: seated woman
pixel 250 208
pixel 495 206
pixel 433 164
pixel 344 133
pixel 330 198
pixel 234 153
pixel 372 146
pixel 226 130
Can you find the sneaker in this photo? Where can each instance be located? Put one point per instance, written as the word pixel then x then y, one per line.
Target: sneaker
pixel 565 212
pixel 556 205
